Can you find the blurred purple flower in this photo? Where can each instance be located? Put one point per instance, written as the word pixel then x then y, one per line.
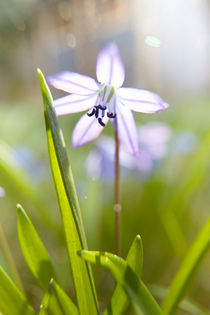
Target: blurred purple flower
pixel 153 147
pixel 105 100
pixel 25 159
pixel 185 142
pixel 2 192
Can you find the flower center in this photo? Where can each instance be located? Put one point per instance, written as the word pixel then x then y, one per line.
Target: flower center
pixel 105 105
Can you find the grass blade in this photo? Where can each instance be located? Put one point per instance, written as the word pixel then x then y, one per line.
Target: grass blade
pixel 70 212
pixel 57 302
pixel 184 275
pixel 120 301
pixel 33 250
pixel 139 295
pixel 12 301
pixel 64 302
pixel 45 304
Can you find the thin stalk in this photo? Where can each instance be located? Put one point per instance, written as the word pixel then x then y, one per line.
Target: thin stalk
pixel 117 202
pixel 9 258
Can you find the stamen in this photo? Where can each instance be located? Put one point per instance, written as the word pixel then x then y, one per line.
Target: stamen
pixel 111 115
pixel 101 122
pixel 92 113
pixel 101 107
pixel 97 111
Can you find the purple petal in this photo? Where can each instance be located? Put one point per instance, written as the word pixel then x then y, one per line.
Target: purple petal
pixel 109 68
pixel 73 82
pixel 127 129
pixel 74 103
pixel 141 100
pixel 86 130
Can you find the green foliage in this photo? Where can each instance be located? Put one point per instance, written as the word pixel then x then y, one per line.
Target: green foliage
pixel 186 305
pixel 120 301
pixel 138 293
pixel 130 289
pixel 33 250
pixel 57 302
pixel 22 183
pixel 190 182
pixel 12 301
pixel 65 303
pixel 187 270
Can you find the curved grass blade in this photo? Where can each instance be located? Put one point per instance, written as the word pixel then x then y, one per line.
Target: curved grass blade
pixel 69 207
pixel 185 273
pixel 33 250
pixel 57 302
pixel 120 301
pixel 12 301
pixel 140 297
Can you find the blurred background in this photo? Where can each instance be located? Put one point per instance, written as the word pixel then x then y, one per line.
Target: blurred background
pixel 165 46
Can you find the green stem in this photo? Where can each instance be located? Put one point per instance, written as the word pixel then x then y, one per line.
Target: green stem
pixel 117 202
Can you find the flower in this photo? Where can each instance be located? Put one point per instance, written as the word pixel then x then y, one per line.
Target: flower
pixel 106 100
pixel 2 192
pixel 153 145
pixel 100 162
pixel 26 160
pixel 153 148
pixel 185 142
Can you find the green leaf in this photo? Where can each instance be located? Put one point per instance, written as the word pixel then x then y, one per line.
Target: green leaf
pixel 33 249
pixel 45 303
pixel 120 301
pixel 57 302
pixel 12 301
pixel 139 295
pixel 69 206
pixel 64 302
pixel 185 273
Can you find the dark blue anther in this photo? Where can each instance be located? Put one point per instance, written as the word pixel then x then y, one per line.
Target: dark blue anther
pixel 111 115
pixel 101 107
pixel 97 111
pixel 92 113
pixel 101 122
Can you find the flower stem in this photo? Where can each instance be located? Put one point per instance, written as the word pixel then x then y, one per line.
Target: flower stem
pixel 117 204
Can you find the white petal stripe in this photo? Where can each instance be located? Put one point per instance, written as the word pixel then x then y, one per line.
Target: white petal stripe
pixel 141 100
pixel 127 129
pixel 73 82
pixel 74 103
